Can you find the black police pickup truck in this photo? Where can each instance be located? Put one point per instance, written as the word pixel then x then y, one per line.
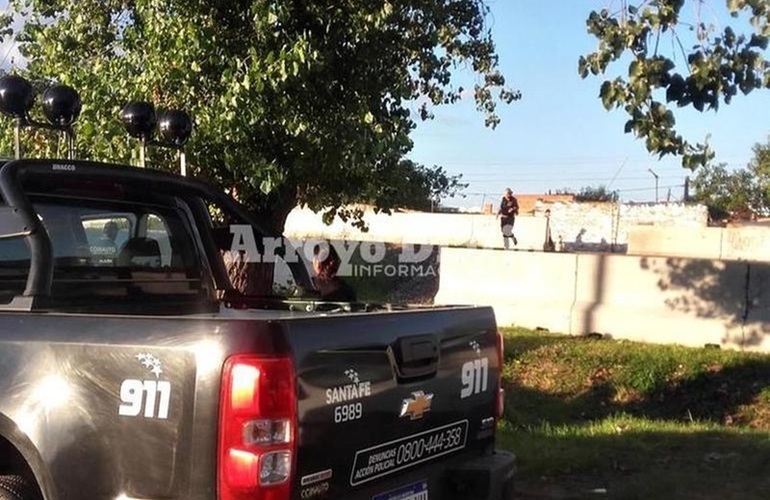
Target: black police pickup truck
pixel 131 369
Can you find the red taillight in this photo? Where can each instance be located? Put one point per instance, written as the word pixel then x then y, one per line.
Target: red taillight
pixel 500 391
pixel 257 428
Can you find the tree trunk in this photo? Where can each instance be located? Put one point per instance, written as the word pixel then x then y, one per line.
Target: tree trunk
pixel 256 278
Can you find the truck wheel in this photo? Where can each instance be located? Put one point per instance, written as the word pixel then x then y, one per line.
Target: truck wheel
pixel 15 487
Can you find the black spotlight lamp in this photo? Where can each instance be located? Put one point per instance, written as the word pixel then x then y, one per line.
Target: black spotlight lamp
pixel 16 97
pixel 61 105
pixel 139 120
pixel 175 127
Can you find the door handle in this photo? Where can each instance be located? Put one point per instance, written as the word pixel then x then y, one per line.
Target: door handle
pixel 416 356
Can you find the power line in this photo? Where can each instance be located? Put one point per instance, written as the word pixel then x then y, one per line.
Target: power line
pixel 11 46
pixel 519 180
pixel 618 172
pixel 576 161
pixel 651 188
pixel 490 193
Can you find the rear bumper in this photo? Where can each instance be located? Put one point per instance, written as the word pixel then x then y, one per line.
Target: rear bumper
pixel 473 476
pixel 487 477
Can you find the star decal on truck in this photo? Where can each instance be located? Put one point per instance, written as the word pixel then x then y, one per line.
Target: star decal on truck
pixel 151 363
pixel 353 376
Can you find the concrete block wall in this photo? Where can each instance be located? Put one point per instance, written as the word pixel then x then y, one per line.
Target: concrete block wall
pixel 690 302
pixel 746 243
pixel 696 242
pixel 581 226
pixel 659 300
pixel 757 321
pixel 731 243
pixel 662 230
pixel 532 289
pixel 440 229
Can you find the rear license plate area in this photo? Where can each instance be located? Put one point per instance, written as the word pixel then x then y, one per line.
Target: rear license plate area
pixel 415 491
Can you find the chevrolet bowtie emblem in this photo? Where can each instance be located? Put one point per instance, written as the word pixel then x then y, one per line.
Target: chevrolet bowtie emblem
pixel 416 406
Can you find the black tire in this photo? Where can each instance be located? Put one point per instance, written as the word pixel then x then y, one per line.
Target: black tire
pixel 15 487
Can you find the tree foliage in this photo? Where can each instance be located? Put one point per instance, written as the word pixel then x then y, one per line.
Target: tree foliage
pixel 678 61
pixel 741 191
pixel 596 193
pixel 294 101
pixel 592 193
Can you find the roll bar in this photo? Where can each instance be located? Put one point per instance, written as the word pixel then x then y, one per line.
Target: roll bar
pixel 20 220
pixel 40 274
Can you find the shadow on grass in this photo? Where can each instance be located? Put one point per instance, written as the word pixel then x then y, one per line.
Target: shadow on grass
pixel 735 394
pixel 521 344
pixel 568 444
pixel 716 397
pixel 640 465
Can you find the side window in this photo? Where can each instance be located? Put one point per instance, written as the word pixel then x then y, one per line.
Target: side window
pixel 254 262
pixel 158 230
pixel 13 251
pixel 14 264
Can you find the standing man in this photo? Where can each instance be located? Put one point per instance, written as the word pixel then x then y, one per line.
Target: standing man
pixel 509 209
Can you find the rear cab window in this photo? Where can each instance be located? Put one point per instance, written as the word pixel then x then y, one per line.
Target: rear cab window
pixel 118 251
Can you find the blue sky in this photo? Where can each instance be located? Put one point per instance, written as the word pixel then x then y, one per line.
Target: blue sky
pixel 559 135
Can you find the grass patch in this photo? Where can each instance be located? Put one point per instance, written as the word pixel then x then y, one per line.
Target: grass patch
pixel 631 420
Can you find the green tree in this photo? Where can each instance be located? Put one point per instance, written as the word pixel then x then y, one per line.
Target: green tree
pixel 596 193
pixel 744 190
pixel 673 59
pixel 759 167
pixel 294 101
pixel 591 193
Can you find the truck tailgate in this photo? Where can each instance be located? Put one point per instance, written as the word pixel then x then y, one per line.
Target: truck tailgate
pixel 384 395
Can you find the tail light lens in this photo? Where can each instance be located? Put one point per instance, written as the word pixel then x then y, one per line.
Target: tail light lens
pixel 257 428
pixel 500 391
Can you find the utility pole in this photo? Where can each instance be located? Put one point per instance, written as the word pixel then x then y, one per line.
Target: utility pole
pixel 656 183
